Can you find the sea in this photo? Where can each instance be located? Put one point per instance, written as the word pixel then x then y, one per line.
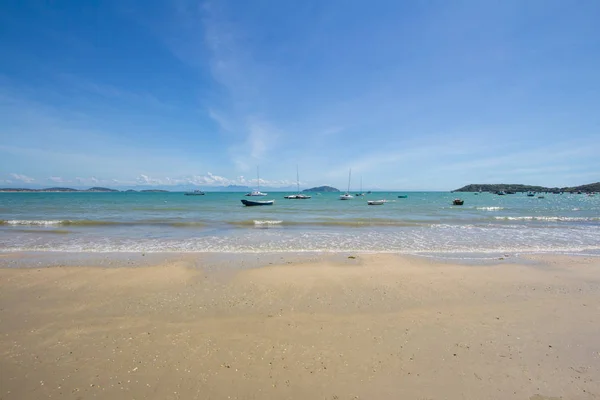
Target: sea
pixel 423 223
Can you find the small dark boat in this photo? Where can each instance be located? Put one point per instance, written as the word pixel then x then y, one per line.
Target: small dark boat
pixel 257 202
pixel 195 193
pixel 458 202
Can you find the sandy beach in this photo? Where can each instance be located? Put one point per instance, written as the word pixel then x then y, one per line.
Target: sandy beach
pixel 328 327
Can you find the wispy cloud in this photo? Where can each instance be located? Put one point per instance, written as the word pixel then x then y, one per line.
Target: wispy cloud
pixel 112 92
pixel 209 180
pixel 22 178
pixel 57 179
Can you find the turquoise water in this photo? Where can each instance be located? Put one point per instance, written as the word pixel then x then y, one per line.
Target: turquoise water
pixel 423 223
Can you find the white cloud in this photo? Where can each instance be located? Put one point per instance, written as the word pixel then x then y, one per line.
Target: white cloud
pixel 22 178
pixel 207 180
pixel 92 181
pixel 57 179
pixel 146 180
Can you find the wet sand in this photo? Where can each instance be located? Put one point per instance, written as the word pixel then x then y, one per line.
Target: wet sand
pixel 370 327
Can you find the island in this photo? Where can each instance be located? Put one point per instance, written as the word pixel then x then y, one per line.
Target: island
pixel 154 191
pixel 322 189
pixel 514 187
pixel 99 189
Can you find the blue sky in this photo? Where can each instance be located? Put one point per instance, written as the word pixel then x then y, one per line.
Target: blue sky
pixel 412 95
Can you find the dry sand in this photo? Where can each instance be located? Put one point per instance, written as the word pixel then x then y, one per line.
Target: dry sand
pixel 374 327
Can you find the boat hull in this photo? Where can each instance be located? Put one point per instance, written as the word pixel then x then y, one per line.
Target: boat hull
pixel 251 203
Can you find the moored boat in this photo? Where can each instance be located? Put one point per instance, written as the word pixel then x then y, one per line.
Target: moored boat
pixel 195 193
pixel 361 193
pixel 256 192
pixel 458 202
pixel 257 202
pixel 347 195
pixel 298 195
pixel 375 202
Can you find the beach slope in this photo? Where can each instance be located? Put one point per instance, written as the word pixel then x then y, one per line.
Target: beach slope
pixel 371 327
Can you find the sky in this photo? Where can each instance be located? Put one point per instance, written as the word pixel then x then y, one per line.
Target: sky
pixel 410 95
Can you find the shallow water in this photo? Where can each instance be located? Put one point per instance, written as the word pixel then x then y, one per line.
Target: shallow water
pixel 423 223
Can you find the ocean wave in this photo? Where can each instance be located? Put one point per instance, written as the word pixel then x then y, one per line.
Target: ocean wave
pixel 42 230
pixel 17 222
pixel 261 223
pixel 589 250
pixel 444 238
pixel 542 218
pixel 355 222
pixel 490 208
pixel 68 222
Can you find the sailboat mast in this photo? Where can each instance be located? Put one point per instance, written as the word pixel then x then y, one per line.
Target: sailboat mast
pixel 349 176
pixel 257 179
pixel 297 179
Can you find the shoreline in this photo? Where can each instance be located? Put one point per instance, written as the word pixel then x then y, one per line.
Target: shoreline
pixel 374 326
pixel 35 259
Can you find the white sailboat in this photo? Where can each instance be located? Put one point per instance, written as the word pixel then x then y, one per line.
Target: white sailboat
pixel 256 192
pixel 347 195
pixel 298 195
pixel 361 193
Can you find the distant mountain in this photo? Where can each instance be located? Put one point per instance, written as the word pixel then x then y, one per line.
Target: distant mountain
pixel 590 187
pixel 486 187
pixel 99 189
pixel 17 190
pixel 322 189
pixel 154 191
pixel 58 189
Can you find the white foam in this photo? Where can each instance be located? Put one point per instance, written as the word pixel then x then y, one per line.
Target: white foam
pixel 490 208
pixel 542 218
pixel 267 222
pixel 33 222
